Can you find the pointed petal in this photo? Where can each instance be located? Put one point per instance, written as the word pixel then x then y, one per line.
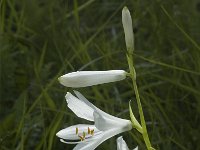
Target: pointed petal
pixel 102 113
pixel 136 148
pixel 88 140
pixel 89 78
pixel 93 144
pixel 87 145
pixel 84 109
pixel 79 107
pixel 70 142
pixel 121 144
pixel 82 98
pixel 69 133
pixel 103 122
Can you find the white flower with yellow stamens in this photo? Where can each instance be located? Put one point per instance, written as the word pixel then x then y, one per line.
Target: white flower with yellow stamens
pixel 88 137
pixel 89 78
pixel 121 144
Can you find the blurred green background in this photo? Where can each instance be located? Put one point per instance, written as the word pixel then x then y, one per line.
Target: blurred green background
pixel 42 39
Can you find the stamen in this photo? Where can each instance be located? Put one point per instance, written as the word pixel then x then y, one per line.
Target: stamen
pixel 81 138
pixel 76 130
pixel 89 131
pixel 84 134
pixel 92 132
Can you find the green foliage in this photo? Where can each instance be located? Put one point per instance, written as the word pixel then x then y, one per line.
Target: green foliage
pixel 41 40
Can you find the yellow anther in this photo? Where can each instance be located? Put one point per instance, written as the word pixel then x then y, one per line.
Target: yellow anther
pixel 81 138
pixel 92 132
pixel 76 130
pixel 84 134
pixel 89 131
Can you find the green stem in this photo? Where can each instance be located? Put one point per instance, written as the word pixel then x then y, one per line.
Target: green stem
pixel 133 77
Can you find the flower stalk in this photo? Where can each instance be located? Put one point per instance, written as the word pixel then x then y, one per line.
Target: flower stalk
pixel 126 19
pixel 142 119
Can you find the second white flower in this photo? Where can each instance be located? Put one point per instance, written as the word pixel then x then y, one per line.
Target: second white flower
pixel 88 137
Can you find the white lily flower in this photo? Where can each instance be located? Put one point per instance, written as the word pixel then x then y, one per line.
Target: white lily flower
pixel 128 29
pixel 121 144
pixel 89 78
pixel 88 137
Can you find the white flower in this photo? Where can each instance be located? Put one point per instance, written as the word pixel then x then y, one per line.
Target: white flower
pixel 128 29
pixel 121 144
pixel 89 78
pixel 88 137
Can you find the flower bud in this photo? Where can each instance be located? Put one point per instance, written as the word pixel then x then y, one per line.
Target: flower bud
pixel 89 78
pixel 128 29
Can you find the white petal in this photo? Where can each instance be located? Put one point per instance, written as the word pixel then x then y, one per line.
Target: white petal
pixel 128 29
pixel 89 78
pixel 121 144
pixel 92 145
pixel 104 122
pixel 69 133
pixel 84 109
pixel 87 140
pixel 102 113
pixel 79 107
pixel 87 146
pixel 82 98
pixel 136 148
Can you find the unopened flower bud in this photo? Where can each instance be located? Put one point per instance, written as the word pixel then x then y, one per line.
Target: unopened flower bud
pixel 128 29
